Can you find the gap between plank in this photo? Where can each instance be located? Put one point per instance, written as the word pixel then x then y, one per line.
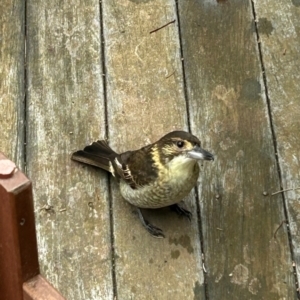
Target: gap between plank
pixel 284 201
pixel 25 86
pixel 199 221
pixel 111 219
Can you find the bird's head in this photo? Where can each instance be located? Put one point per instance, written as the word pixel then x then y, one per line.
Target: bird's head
pixel 181 147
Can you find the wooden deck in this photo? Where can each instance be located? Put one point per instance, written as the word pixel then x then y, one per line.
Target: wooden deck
pixel 75 71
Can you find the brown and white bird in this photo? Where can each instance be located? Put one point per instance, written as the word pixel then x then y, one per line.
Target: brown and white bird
pixel 158 175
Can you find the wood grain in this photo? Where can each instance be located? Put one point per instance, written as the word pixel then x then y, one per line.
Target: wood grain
pixel 12 54
pixel 146 100
pixel 279 31
pixel 66 112
pixel 229 113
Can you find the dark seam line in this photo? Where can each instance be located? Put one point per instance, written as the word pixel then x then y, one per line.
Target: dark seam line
pixel 189 128
pixel 110 198
pixel 25 86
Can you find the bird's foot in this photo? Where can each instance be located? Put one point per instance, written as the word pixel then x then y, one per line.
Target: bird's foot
pixel 154 231
pixel 181 211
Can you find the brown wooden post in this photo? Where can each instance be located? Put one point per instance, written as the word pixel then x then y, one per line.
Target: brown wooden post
pixel 19 267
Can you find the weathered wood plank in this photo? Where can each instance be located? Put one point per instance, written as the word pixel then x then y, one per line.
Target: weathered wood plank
pixel 229 112
pixel 66 112
pixel 279 30
pixel 12 54
pixel 145 101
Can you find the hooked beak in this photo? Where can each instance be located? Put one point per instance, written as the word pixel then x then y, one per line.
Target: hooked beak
pixel 199 153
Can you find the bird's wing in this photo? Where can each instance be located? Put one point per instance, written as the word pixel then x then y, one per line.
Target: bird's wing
pixel 136 167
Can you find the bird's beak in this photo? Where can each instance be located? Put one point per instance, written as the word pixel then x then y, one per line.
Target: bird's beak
pixel 199 153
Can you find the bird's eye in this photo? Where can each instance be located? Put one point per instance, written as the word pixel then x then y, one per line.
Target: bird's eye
pixel 180 144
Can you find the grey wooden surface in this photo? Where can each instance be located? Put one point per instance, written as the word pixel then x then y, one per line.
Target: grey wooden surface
pixel 65 110
pixel 138 65
pixel 12 66
pixel 92 71
pixel 229 112
pixel 279 28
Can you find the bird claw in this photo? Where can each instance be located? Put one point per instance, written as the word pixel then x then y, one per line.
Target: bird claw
pixel 181 211
pixel 153 230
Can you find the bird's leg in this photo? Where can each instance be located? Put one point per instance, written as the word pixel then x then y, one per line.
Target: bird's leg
pixel 181 211
pixel 154 231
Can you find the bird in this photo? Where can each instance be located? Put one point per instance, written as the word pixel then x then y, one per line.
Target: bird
pixel 157 175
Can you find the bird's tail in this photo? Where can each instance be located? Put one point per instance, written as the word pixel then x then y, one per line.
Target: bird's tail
pixel 98 154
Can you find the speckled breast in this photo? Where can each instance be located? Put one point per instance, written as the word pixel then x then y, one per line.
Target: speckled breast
pixel 161 193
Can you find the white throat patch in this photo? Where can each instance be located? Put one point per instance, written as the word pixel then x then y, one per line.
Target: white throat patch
pixel 181 163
